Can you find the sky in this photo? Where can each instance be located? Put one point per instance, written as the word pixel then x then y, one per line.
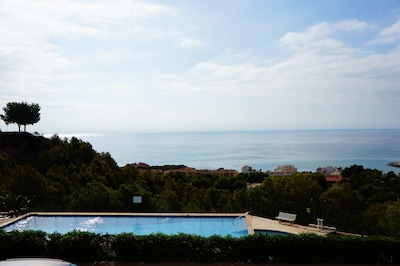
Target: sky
pixel 210 65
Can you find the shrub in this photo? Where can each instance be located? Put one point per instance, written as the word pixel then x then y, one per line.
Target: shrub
pixel 23 244
pixel 78 246
pixel 307 248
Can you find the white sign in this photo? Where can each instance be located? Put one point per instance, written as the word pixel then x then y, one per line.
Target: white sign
pixel 137 199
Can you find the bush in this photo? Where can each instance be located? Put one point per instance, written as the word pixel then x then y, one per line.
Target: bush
pixel 23 244
pixel 307 248
pixel 78 246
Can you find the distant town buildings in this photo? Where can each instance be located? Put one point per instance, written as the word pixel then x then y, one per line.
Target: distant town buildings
pixel 284 170
pixel 247 169
pixel 327 170
pixel 220 172
pixel 333 175
pixel 140 165
pixel 185 171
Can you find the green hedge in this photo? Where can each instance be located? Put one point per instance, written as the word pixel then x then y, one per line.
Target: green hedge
pixel 79 246
pixel 23 244
pixel 307 248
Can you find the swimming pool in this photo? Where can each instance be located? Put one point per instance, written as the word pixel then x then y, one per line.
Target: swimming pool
pixel 271 232
pixel 139 225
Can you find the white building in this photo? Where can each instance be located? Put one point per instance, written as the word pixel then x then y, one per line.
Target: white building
pixel 329 170
pixel 246 169
pixel 286 169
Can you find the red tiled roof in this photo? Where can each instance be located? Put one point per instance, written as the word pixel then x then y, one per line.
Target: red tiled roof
pixel 333 178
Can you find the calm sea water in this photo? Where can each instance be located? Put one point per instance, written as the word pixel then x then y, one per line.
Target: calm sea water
pixel 305 149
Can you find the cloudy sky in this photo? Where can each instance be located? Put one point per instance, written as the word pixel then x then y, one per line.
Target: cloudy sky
pixel 181 65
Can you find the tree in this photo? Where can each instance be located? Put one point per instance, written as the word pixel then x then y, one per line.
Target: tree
pixel 21 114
pixel 344 205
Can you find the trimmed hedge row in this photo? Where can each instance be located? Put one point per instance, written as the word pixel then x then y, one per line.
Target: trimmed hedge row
pixel 307 248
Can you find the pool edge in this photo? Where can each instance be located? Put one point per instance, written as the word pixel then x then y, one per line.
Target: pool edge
pixel 6 221
pixel 249 225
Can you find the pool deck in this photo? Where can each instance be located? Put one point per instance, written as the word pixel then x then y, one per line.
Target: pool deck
pixel 259 223
pixel 253 222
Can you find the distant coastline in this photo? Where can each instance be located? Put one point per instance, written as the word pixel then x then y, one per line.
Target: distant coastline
pixel 394 164
pixel 307 150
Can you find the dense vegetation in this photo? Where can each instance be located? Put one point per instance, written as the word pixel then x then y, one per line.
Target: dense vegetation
pixel 81 247
pixel 67 174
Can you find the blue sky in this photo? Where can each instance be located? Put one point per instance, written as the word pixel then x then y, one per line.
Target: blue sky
pixel 127 65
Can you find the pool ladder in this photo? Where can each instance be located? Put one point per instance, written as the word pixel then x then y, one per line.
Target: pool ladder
pixel 242 215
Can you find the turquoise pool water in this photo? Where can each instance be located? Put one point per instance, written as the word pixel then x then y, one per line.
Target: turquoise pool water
pixel 271 232
pixel 139 225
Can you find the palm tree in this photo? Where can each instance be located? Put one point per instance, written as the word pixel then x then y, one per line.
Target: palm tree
pixel 14 204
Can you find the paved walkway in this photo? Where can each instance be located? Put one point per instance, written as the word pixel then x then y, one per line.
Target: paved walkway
pixel 259 223
pixel 6 220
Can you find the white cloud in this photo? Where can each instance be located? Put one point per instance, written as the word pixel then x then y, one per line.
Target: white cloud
pixel 30 68
pixel 320 70
pixel 301 40
pixel 388 35
pixel 46 45
pixel 352 25
pixel 320 38
pixel 126 60
pixel 189 42
pixel 105 12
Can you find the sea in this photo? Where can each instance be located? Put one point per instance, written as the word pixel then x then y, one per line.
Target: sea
pixel 307 150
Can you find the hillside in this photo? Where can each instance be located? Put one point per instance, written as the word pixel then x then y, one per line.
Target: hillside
pixel 68 174
pixel 24 147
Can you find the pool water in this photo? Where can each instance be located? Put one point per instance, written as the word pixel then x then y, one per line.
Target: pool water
pixel 271 232
pixel 139 225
